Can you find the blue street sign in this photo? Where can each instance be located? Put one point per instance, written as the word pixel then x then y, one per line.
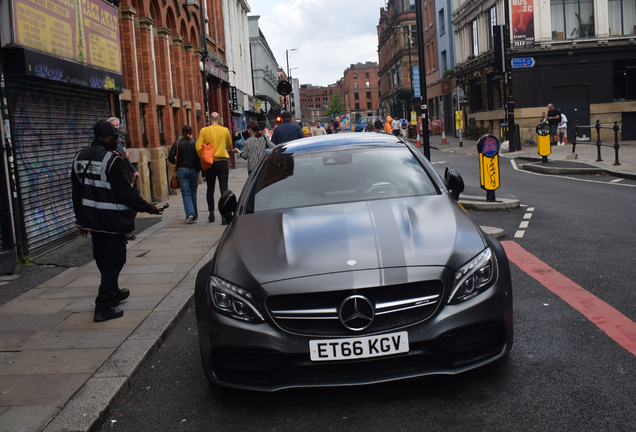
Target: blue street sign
pixel 523 62
pixel 416 82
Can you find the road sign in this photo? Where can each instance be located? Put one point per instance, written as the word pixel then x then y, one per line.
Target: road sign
pixel 523 62
pixel 423 107
pixel 416 82
pixel 284 88
pixel 458 93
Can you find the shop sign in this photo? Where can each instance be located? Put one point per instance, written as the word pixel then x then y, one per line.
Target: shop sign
pixel 522 24
pixel 233 99
pixel 86 31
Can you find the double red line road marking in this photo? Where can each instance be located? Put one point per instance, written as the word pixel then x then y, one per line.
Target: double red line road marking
pixel 609 320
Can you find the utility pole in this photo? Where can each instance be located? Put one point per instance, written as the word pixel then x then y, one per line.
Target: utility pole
pixel 423 98
pixel 510 101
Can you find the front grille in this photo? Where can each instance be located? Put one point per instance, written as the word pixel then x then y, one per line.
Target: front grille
pixel 449 351
pixel 316 314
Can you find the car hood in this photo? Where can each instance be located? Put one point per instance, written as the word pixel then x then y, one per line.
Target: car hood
pixel 273 245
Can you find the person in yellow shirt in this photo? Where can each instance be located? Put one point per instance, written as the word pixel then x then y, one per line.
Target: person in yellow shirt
pixel 222 139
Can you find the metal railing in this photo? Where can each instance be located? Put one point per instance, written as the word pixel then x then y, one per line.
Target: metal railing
pixel 598 143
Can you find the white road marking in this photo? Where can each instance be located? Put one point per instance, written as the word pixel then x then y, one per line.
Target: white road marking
pixel 524 224
pixel 530 209
pixel 617 180
pixel 527 216
pixel 519 234
pixel 516 168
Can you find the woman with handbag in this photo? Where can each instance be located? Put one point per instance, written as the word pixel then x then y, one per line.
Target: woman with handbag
pixel 184 156
pixel 255 146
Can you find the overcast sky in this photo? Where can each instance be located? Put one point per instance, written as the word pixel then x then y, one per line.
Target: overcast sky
pixel 329 35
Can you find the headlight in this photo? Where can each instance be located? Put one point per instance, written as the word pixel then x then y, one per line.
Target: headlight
pixel 474 278
pixel 232 301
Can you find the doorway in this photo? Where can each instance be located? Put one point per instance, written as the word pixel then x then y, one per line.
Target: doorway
pixel 574 101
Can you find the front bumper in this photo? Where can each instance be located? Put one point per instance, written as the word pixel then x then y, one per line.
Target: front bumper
pixel 264 357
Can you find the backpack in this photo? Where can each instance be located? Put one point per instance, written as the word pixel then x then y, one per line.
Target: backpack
pixel 207 152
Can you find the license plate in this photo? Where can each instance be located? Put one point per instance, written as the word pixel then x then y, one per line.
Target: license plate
pixel 360 347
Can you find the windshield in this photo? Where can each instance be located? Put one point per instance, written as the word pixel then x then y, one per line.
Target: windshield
pixel 289 181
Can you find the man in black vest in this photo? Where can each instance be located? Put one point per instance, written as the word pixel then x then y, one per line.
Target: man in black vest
pixel 105 204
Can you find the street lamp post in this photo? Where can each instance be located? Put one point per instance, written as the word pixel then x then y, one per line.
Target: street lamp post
pixel 287 58
pixel 422 63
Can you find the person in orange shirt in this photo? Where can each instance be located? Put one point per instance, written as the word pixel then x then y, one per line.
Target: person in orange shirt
pixel 387 126
pixel 222 139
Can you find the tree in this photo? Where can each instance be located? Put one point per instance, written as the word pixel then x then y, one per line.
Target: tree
pixel 334 107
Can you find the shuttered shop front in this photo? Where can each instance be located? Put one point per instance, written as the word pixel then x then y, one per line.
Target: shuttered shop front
pixel 51 124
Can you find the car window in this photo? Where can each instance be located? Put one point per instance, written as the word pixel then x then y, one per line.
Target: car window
pixel 289 181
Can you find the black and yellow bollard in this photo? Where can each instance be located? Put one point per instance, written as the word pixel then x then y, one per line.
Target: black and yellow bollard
pixel 543 141
pixel 488 148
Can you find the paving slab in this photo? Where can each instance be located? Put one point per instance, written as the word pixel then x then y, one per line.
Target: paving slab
pixel 34 306
pixel 67 293
pixel 26 418
pixel 9 340
pixel 74 339
pixel 48 362
pixel 84 320
pixel 31 322
pixel 19 390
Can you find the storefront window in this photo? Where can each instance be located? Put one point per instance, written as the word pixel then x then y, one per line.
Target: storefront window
pixel 572 18
pixel 622 17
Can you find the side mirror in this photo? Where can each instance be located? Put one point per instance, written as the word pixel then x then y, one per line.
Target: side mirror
pixel 227 205
pixel 454 182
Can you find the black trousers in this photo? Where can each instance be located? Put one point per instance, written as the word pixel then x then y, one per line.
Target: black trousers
pixel 109 251
pixel 220 169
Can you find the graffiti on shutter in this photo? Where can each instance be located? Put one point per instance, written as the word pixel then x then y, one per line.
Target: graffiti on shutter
pixel 50 125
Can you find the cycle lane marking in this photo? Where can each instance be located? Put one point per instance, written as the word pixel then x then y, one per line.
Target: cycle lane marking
pixel 612 322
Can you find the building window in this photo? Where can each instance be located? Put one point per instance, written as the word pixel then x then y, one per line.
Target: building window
pixel 412 5
pixel 355 85
pixel 368 105
pixel 367 84
pixel 492 21
pixel 160 124
pixel 357 106
pixel 624 79
pixel 572 18
pixel 366 74
pixel 369 95
pixel 476 101
pixel 444 64
pixel 622 17
pixel 355 76
pixel 442 23
pixel 474 45
pixel 356 96
pixel 142 124
pixel 413 36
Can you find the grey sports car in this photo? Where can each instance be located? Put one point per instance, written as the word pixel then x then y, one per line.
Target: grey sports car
pixel 347 260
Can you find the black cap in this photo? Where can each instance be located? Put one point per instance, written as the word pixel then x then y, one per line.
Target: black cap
pixel 106 128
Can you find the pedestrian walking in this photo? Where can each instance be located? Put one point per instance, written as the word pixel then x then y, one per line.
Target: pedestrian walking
pixel 554 117
pixel 287 130
pixel 388 128
pixel 188 167
pixel 318 130
pixel 404 128
pixel 378 125
pixel 105 203
pixel 563 129
pixel 255 147
pixel 222 139
pixel 395 127
pixel 369 126
pixel 335 125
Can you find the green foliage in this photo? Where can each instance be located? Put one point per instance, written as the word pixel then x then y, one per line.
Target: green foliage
pixel 448 73
pixel 585 28
pixel 24 260
pixel 470 56
pixel 335 106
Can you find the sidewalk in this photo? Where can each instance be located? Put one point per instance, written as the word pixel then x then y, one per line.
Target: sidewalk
pixel 562 160
pixel 59 367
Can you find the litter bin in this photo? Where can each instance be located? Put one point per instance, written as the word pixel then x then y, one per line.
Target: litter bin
pixel 503 130
pixel 412 131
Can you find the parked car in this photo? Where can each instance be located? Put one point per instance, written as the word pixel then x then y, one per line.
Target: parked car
pixel 361 125
pixel 347 260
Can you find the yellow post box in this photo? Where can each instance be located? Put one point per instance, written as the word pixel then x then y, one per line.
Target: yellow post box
pixel 459 120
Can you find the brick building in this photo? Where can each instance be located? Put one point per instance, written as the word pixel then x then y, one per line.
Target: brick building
pixel 314 100
pixel 397 52
pixel 361 90
pixel 163 80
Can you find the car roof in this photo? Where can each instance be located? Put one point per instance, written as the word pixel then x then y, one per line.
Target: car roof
pixel 342 141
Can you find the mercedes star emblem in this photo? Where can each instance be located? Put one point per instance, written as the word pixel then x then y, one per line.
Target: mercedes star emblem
pixel 356 312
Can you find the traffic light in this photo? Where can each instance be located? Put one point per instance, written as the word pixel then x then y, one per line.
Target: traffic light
pixel 278 120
